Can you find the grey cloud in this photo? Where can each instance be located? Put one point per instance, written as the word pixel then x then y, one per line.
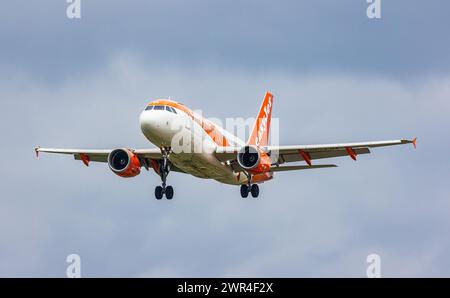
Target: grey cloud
pixel 299 37
pixel 319 223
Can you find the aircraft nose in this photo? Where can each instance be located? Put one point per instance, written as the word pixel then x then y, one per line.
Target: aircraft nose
pixel 156 127
pixel 149 122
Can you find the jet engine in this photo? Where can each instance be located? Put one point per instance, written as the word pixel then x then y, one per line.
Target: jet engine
pixel 252 159
pixel 124 163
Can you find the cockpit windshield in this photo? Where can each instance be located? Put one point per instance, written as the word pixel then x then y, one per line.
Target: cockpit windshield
pixel 161 108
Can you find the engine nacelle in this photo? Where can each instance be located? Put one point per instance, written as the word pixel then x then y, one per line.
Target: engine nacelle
pixel 253 160
pixel 124 163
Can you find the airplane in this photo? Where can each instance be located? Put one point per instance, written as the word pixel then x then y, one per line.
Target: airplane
pixel 225 158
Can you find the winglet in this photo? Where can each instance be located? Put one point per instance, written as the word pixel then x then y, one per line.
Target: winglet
pixel 36 150
pixel 414 141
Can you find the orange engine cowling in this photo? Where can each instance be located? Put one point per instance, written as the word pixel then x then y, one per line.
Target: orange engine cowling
pixel 253 160
pixel 124 163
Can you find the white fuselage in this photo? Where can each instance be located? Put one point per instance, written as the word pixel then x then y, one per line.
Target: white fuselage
pixel 192 148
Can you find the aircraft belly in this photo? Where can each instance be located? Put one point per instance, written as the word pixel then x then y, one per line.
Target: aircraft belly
pixel 204 166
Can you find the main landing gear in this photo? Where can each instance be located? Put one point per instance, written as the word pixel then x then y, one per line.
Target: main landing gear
pixel 164 169
pixel 249 188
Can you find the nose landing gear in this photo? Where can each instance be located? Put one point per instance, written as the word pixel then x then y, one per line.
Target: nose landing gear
pixel 164 170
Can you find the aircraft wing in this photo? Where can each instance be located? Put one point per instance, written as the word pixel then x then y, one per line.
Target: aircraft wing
pixel 100 155
pixel 308 153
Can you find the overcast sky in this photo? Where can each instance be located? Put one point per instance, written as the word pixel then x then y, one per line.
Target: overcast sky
pixel 337 77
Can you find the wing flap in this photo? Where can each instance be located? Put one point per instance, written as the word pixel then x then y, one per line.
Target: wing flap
pixel 92 157
pixel 153 153
pixel 293 155
pixel 296 168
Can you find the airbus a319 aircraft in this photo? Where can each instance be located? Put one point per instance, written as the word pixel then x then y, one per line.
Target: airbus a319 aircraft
pixel 224 157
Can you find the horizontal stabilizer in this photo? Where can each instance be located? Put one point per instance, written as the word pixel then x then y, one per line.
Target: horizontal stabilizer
pixel 295 168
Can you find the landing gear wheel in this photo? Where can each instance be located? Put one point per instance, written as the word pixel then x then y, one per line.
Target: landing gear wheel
pixel 164 169
pixel 169 192
pixel 255 190
pixel 158 192
pixel 244 190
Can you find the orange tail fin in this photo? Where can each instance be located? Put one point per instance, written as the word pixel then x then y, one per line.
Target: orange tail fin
pixel 260 132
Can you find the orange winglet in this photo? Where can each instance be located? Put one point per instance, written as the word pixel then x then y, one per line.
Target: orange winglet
pixel 85 159
pixel 305 156
pixel 351 152
pixel 414 141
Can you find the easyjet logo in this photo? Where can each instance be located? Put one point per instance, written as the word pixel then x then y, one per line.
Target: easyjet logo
pixel 263 123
